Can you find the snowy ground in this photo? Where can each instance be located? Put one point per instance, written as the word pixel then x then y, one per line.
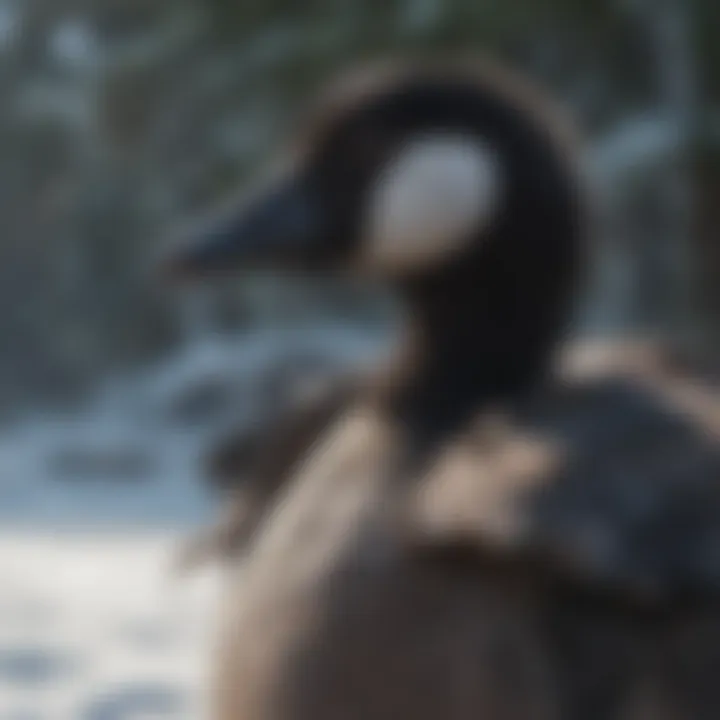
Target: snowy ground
pixel 94 627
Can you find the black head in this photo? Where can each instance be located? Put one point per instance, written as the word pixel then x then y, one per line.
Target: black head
pixel 450 181
pixel 400 173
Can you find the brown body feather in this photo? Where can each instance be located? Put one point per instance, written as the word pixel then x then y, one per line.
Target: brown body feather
pixel 253 466
pixel 514 592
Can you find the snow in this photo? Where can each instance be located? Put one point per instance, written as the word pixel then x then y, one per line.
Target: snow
pixel 92 624
pixel 31 493
pixel 94 627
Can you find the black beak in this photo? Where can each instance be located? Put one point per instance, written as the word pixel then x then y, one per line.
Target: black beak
pixel 282 229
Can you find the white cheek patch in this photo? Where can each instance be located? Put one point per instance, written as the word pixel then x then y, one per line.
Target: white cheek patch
pixel 432 199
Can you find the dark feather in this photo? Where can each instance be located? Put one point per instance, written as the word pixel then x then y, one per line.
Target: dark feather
pixel 620 486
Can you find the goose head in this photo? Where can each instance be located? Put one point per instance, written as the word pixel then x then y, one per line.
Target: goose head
pixel 449 182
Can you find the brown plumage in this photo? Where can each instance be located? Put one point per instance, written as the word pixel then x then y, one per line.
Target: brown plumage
pixel 252 466
pixel 474 537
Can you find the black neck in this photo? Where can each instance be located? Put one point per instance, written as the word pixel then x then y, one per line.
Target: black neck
pixel 486 322
pixel 483 332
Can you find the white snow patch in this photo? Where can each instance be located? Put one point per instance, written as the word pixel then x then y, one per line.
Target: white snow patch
pixel 93 626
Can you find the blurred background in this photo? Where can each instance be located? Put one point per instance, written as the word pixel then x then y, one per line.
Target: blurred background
pixel 121 118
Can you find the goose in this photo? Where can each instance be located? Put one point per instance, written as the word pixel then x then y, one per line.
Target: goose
pixel 468 534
